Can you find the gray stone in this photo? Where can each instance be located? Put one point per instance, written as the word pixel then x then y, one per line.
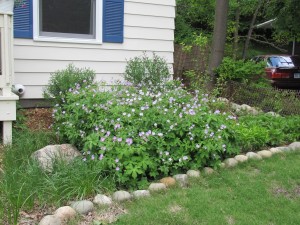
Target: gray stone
pixel 272 114
pixel 102 200
pixel 284 148
pixel 157 187
pixel 222 165
pixel 235 107
pixel 230 162
pixel 193 173
pixel 208 170
pixel 83 207
pixel 141 193
pixel 182 179
pixel 65 213
pixel 265 154
pixel 47 155
pixel 253 155
pixel 275 150
pixel 223 99
pixel 295 146
pixel 50 220
pixel 120 196
pixel 241 158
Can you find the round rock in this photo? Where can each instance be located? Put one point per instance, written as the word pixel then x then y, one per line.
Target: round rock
pixel 230 162
pixel 284 149
pixel 295 146
pixel 275 150
pixel 121 196
pixel 182 179
pixel 141 193
pixel 102 200
pixel 193 173
pixel 50 220
pixel 241 158
pixel 253 155
pixel 208 170
pixel 157 187
pixel 65 213
pixel 265 154
pixel 83 207
pixel 168 181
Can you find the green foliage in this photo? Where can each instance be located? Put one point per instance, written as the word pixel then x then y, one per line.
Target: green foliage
pixel 140 135
pixel 62 80
pixel 239 70
pixel 23 183
pixel 286 13
pixel 149 72
pixel 254 132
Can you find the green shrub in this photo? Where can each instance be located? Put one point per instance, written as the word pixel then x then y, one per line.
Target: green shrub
pixel 62 80
pixel 239 70
pixel 149 72
pixel 140 135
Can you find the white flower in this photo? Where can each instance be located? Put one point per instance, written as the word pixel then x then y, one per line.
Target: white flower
pixel 160 134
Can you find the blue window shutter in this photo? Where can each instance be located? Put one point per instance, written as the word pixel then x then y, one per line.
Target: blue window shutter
pixel 23 20
pixel 113 21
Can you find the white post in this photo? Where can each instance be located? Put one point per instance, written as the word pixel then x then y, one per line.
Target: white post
pixel 7 98
pixel 7 132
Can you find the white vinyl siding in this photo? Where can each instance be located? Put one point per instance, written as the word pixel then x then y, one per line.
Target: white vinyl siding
pixel 149 27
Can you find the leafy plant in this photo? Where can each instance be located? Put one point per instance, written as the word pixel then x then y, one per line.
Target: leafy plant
pixel 62 80
pixel 239 70
pixel 140 135
pixel 149 72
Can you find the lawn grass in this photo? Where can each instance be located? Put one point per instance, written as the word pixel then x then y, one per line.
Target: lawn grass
pixel 257 192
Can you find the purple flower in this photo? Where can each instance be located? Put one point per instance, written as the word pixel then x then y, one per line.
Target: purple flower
pixel 93 157
pixel 107 133
pixel 84 159
pixel 129 141
pixel 101 157
pixel 217 112
pixel 118 168
pixel 192 112
pixel 116 160
pixel 102 139
pixel 119 139
pixel 117 126
pixel 114 138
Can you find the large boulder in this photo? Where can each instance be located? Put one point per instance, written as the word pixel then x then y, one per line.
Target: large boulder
pixel 47 155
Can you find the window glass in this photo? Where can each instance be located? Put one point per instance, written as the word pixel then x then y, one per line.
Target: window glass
pixel 67 18
pixel 284 61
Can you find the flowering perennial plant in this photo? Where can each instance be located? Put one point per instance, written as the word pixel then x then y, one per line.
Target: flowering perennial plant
pixel 139 134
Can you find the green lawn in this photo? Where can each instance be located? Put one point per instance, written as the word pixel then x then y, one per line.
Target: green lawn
pixel 261 192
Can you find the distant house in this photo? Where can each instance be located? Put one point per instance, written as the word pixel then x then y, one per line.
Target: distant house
pixel 99 34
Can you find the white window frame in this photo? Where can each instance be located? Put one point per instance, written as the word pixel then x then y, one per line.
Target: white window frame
pixel 98 27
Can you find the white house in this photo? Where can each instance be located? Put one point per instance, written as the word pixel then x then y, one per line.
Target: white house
pixel 98 34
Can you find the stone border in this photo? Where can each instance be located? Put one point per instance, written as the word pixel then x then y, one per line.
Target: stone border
pixel 84 207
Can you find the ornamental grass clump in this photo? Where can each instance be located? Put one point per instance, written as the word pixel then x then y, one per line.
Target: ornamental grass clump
pixel 139 134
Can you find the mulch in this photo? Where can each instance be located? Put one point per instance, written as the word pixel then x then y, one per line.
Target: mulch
pixel 38 119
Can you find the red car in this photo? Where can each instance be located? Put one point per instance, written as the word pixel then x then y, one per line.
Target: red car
pixel 282 70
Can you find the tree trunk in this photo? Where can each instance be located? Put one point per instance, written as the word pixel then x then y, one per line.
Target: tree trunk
pixel 247 42
pixel 236 30
pixel 219 39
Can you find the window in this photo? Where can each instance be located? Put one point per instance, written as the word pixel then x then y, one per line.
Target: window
pixel 68 20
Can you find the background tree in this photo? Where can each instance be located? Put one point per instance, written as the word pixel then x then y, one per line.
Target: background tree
pixel 219 38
